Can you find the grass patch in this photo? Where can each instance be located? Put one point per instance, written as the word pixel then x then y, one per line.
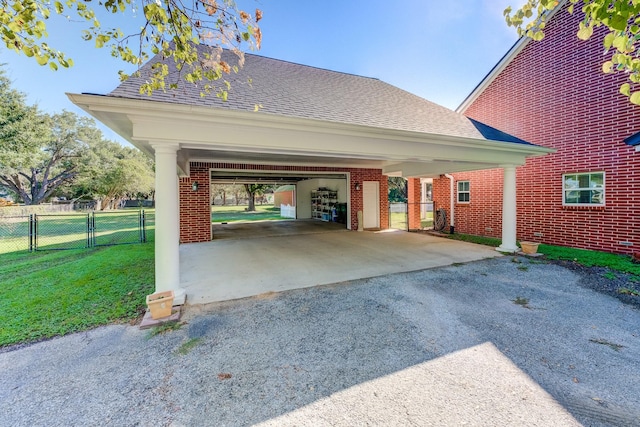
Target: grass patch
pixel 523 302
pixel 239 213
pixel 188 345
pixel 480 240
pixel 164 327
pixel 522 268
pixel 590 258
pixel 46 294
pixel 627 291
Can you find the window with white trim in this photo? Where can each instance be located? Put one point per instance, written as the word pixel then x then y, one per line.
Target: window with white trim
pixel 583 189
pixel 464 193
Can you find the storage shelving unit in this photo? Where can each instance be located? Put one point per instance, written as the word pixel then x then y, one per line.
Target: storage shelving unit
pixel 323 203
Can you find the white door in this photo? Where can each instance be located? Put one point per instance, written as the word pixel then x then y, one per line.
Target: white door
pixel 371 204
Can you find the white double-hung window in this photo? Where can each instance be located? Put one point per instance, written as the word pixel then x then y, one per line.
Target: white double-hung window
pixel 583 189
pixel 464 192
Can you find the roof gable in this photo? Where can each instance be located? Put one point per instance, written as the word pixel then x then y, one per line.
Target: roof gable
pixel 293 90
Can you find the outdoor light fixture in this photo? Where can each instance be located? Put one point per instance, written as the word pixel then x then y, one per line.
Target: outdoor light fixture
pixel 195 186
pixel 357 186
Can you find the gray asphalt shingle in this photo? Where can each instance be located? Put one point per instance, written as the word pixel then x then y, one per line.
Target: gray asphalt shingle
pixel 294 90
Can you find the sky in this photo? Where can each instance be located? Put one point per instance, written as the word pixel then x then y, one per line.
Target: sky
pixel 438 50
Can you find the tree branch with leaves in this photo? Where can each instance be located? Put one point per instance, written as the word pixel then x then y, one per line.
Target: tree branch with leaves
pixel 173 28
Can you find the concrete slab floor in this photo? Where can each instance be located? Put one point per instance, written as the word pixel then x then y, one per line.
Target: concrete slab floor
pixel 229 269
pixel 244 230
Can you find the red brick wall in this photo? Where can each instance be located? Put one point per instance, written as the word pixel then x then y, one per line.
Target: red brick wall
pixel 414 197
pixel 554 94
pixel 195 209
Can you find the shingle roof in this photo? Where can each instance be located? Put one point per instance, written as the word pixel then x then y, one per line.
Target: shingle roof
pixel 294 90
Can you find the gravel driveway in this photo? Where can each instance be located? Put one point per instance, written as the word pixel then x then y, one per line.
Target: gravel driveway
pixel 493 342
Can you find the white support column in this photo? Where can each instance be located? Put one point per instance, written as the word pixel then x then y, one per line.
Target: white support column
pixel 167 235
pixel 509 219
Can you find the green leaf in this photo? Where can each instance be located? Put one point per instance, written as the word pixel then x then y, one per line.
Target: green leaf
pixel 625 89
pixel 42 59
pixel 607 67
pixel 635 98
pixel 59 7
pixel 27 50
pixel 618 22
pixel 620 43
pixel 608 40
pixel 585 32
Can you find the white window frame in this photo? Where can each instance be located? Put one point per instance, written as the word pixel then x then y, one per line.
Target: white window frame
pixel 566 190
pixel 467 191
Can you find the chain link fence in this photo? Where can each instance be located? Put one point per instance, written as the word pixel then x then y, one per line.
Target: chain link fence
pixel 398 216
pixel 14 233
pixel 411 216
pixel 75 231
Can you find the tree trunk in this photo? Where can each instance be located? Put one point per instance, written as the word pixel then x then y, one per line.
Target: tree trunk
pixel 252 202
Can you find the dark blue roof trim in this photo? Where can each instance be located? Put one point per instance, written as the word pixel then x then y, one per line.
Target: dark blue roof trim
pixel 494 134
pixel 633 139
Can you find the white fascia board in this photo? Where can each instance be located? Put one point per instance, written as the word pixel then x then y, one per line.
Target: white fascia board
pixel 231 130
pixel 502 64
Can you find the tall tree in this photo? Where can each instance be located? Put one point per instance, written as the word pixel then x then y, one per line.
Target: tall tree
pixel 170 27
pixel 397 189
pixel 47 160
pixel 111 173
pixel 621 40
pixel 22 127
pixel 252 190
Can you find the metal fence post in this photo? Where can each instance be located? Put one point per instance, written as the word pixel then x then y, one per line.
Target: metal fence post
pixel 406 215
pixel 35 232
pixel 143 227
pixel 32 228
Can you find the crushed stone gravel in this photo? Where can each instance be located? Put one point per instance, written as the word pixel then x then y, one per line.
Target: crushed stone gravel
pixel 518 343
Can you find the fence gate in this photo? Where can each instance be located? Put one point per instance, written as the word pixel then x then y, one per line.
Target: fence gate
pixel 116 228
pixel 398 216
pixel 39 232
pixel 419 214
pixel 55 232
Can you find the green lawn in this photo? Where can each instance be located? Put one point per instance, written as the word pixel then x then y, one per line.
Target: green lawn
pixel 50 293
pixel 239 213
pixel 584 257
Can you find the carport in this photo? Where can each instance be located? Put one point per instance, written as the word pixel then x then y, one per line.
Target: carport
pixel 307 120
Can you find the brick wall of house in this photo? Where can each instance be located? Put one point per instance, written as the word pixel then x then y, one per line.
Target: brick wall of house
pixel 414 198
pixel 195 208
pixel 554 94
